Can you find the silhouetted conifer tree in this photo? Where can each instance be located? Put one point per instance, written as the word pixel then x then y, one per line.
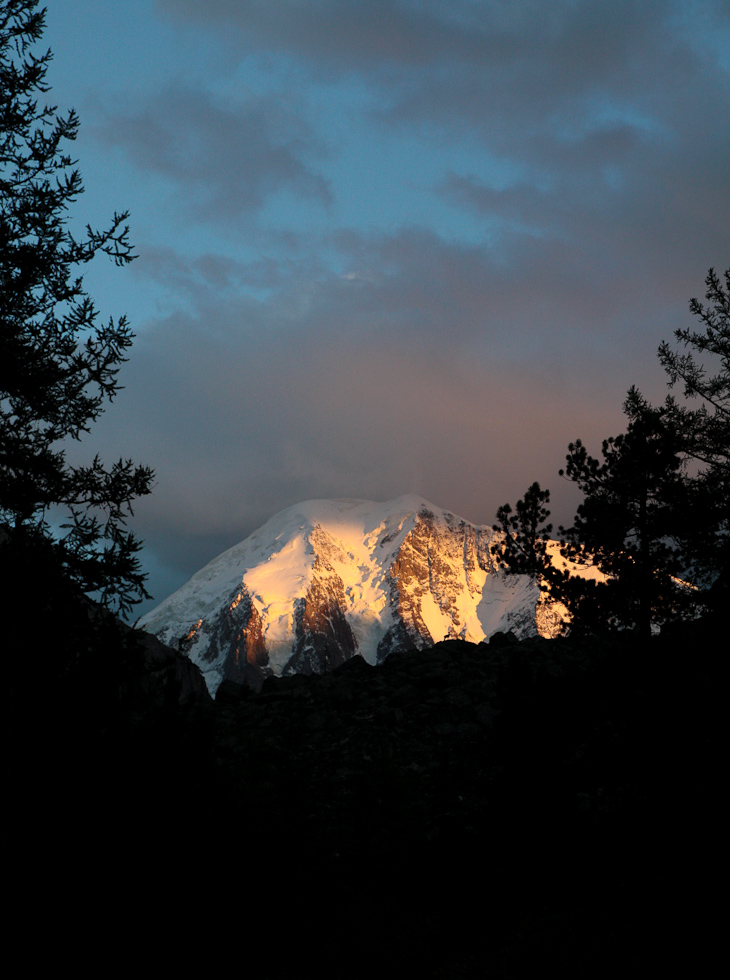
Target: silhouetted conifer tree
pixel 706 431
pixel 628 528
pixel 523 549
pixel 58 363
pixel 656 507
pixel 631 519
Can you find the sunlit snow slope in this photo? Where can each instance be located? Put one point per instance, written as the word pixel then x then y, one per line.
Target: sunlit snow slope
pixel 328 579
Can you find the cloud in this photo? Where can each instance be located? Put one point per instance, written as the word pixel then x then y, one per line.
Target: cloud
pixel 450 59
pixel 248 421
pixel 415 287
pixel 223 158
pixel 573 193
pixel 432 370
pixel 191 280
pixel 342 36
pixel 595 108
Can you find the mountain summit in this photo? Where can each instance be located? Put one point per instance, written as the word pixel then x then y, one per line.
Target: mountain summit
pixel 325 580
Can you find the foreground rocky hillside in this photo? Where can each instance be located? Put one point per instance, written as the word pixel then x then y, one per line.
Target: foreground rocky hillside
pixel 497 809
pixel 464 811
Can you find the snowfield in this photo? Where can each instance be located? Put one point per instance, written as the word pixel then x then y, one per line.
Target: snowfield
pixel 334 578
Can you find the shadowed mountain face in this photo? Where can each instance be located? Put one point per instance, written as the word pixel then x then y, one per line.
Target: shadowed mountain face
pixel 233 635
pixel 327 580
pixel 324 638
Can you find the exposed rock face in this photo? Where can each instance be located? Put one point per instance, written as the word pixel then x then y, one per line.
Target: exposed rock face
pixel 233 639
pixel 324 638
pixel 330 579
pixel 438 560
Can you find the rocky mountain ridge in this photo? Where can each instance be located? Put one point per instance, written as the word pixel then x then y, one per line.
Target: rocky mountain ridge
pixel 326 580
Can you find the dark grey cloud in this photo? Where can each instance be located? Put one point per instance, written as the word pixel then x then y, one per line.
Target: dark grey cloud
pixel 249 419
pixel 191 279
pixel 456 368
pixel 224 158
pixel 343 36
pixel 415 287
pixel 597 106
pixel 528 59
pixel 551 105
pixel 589 39
pixel 528 296
pixel 427 367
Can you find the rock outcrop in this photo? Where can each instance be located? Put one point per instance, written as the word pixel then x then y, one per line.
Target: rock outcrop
pixel 328 580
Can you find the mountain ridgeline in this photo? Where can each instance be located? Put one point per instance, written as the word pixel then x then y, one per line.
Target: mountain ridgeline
pixel 326 580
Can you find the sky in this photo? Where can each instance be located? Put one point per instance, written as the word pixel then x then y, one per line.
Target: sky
pixel 387 246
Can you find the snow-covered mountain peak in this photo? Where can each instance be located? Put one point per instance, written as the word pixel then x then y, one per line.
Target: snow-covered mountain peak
pixel 325 580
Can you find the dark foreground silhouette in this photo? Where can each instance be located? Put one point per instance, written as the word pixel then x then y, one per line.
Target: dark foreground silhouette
pixel 468 811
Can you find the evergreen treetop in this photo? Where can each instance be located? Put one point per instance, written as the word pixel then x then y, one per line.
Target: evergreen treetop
pixel 59 362
pixel 655 518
